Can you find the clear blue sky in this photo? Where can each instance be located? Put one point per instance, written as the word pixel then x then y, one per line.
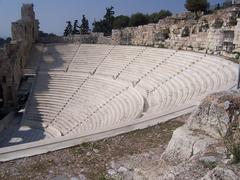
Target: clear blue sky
pixel 54 13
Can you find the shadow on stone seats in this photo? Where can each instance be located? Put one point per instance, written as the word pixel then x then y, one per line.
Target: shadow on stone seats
pixel 16 133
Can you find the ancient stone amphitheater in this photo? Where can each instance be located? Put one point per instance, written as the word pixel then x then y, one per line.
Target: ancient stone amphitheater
pixel 84 92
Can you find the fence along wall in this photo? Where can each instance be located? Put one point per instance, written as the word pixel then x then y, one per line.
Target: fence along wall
pixel 14 55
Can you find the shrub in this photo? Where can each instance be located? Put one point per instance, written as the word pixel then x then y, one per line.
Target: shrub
pixel 138 19
pixel 197 6
pixel 121 22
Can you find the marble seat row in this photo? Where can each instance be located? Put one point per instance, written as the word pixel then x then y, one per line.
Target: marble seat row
pixel 57 107
pixel 142 62
pixel 88 87
pixel 103 85
pixel 56 57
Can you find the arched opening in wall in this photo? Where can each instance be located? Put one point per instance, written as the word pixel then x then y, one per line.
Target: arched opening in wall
pixel 9 94
pixel 21 64
pixel 25 31
pixel 185 32
pixel 1 96
pixel 4 80
pixel 228 38
pixel 33 33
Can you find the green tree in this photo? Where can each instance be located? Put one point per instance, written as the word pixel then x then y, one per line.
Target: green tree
pixel 108 20
pixel 76 28
pixel 4 41
pixel 155 17
pixel 98 26
pixel 105 25
pixel 121 22
pixel 69 29
pixel 44 34
pixel 84 28
pixel 164 13
pixel 197 6
pixel 138 19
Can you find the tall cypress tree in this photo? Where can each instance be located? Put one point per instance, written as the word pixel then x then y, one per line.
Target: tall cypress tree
pixel 69 29
pixel 76 27
pixel 84 28
pixel 106 24
pixel 108 20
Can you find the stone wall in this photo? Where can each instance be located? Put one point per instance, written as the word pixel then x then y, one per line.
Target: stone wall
pixel 14 55
pixel 92 38
pixel 216 33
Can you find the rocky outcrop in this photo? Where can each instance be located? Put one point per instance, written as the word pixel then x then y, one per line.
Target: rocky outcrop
pixel 185 144
pixel 199 150
pixel 221 173
pixel 218 115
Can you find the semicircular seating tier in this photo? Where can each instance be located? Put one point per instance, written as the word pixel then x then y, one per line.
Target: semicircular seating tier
pixel 87 87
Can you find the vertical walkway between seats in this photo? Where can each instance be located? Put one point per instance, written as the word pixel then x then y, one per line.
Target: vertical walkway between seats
pixel 76 53
pixel 95 70
pixel 154 68
pixel 129 63
pixel 177 74
pixel 68 101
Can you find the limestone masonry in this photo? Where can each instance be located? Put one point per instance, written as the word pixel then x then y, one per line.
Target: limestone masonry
pixel 217 33
pixel 13 56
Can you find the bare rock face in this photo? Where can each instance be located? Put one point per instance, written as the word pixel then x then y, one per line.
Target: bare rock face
pixel 185 144
pixel 218 115
pixel 199 150
pixel 221 173
pixel 216 118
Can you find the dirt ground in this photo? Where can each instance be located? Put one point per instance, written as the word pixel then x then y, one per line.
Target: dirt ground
pixel 91 160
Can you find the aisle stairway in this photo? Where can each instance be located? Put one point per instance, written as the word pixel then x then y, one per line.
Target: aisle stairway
pixel 82 87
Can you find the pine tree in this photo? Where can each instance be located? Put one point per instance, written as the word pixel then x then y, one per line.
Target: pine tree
pixel 76 28
pixel 69 29
pixel 106 24
pixel 109 19
pixel 84 28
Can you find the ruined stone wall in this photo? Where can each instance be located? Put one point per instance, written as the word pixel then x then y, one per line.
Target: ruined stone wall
pixel 14 55
pixel 92 38
pixel 215 33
